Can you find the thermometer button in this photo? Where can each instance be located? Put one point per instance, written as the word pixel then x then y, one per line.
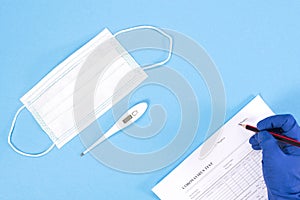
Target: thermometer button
pixel 134 113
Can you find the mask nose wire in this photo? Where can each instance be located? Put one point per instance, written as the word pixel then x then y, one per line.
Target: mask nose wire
pixel 161 32
pixel 9 139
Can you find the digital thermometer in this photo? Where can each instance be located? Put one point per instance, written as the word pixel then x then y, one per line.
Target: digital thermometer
pixel 127 119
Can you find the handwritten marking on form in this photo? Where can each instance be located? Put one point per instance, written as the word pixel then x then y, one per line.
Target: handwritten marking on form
pixel 232 170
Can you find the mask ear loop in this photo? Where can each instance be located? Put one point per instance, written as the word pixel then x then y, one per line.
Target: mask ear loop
pixel 15 148
pixel 161 32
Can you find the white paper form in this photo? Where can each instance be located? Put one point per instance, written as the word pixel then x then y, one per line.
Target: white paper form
pixel 232 170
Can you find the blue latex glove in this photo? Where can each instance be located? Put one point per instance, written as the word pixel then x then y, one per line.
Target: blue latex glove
pixel 281 161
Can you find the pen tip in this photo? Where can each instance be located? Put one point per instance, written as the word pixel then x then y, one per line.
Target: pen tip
pixel 82 154
pixel 243 125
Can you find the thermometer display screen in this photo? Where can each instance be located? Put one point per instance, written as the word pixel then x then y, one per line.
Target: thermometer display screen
pixel 129 117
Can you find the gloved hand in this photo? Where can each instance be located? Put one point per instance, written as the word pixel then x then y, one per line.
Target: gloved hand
pixel 281 161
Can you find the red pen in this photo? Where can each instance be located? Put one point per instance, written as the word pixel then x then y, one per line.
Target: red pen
pixel 279 137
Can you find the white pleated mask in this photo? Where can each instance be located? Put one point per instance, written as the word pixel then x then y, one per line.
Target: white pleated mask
pixel 51 101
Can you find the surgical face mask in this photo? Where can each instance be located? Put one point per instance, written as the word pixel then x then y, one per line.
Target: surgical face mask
pixel 51 101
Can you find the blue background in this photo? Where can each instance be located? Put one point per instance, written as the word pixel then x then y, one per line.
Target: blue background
pixel 255 45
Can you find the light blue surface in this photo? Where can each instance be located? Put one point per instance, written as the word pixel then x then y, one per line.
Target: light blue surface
pixel 255 45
